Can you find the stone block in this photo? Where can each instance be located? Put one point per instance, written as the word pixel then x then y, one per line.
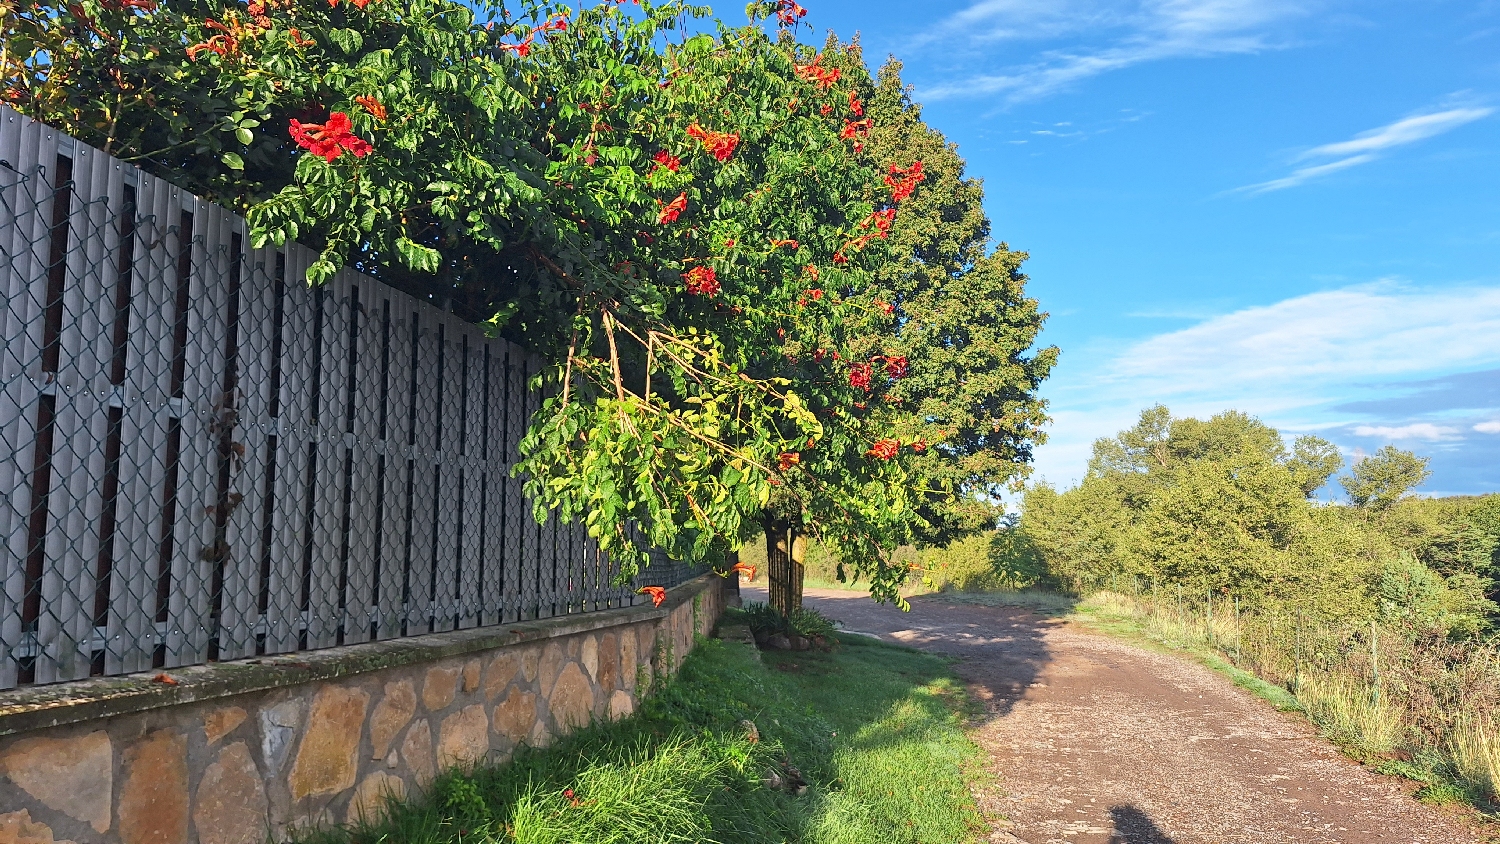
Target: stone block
pixel 394 711
pixel 609 663
pixel 439 687
pixel 154 799
pixel 417 751
pixel 370 799
pixel 463 738
pixel 621 704
pixel 74 776
pixel 572 699
pixel 589 656
pixel 471 675
pixel 505 667
pixel 628 656
pixel 19 828
pixel 279 724
pixel 530 658
pixel 514 716
pixel 552 661
pixel 221 722
pixel 231 806
pixel 328 758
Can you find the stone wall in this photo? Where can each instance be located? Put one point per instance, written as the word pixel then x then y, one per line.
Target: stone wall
pixel 235 752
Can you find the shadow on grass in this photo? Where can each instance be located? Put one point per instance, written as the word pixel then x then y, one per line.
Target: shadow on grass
pixel 998 638
pixel 872 728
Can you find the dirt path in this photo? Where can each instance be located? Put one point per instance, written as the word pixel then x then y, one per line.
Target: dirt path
pixel 1098 742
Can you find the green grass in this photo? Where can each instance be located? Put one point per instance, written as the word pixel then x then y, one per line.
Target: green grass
pixel 876 730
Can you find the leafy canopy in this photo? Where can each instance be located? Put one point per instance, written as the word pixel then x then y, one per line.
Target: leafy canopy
pixel 696 228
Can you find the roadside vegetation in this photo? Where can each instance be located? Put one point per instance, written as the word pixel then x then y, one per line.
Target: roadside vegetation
pixel 874 731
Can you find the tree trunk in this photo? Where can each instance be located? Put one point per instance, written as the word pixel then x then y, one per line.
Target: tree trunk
pixel 779 568
pixel 732 583
pixel 799 572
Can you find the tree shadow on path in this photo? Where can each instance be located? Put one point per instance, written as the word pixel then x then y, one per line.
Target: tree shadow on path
pixel 1133 826
pixel 1002 649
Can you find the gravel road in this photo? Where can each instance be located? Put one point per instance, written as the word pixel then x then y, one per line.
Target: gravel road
pixel 1095 741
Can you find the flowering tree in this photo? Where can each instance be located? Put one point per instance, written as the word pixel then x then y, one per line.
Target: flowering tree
pixel 690 225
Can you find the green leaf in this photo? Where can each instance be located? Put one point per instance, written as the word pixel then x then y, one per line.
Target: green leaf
pixel 244 136
pixel 232 161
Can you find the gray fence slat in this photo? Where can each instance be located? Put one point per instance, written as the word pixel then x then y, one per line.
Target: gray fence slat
pixel 240 619
pixel 131 628
pixel 363 453
pixel 491 452
pixel 471 562
pixel 515 511
pixel 27 146
pixel 284 545
pixel 395 527
pixel 192 558
pixel 328 482
pixel 449 475
pixel 424 467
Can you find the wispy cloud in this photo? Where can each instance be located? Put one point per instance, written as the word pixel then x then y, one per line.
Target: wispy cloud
pixel 1085 38
pixel 1301 364
pixel 1415 431
pixel 1367 146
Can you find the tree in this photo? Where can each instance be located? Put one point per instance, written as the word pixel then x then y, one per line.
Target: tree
pixel 649 209
pixel 1379 480
pixel 960 330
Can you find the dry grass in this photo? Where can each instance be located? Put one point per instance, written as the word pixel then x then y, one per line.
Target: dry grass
pixel 1474 747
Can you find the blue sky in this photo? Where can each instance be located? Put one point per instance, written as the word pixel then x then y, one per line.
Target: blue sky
pixel 1291 209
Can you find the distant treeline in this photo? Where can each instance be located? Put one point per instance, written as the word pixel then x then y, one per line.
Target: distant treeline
pixel 1225 506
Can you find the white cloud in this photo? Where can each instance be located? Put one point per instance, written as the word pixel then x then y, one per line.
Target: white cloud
pixel 1286 362
pixel 1098 37
pixel 1346 335
pixel 1488 427
pixel 1366 146
pixel 1416 431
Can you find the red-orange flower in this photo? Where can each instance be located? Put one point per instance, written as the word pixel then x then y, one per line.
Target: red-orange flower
pixel 295 36
pixel 814 293
pixel 896 367
pixel 885 307
pixel 719 144
pixel 702 281
pixel 903 180
pixel 670 211
pixel 372 105
pixel 859 376
pixel 122 5
pixel 667 160
pixel 787 459
pixel 657 593
pixel 777 244
pixel 812 271
pixel 787 12
pixel 856 128
pixel 884 449
pixel 881 220
pixel 855 105
pixel 743 568
pixel 919 446
pixel 330 140
pixel 823 77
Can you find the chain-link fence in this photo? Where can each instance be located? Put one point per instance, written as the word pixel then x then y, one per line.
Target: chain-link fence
pixel 202 458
